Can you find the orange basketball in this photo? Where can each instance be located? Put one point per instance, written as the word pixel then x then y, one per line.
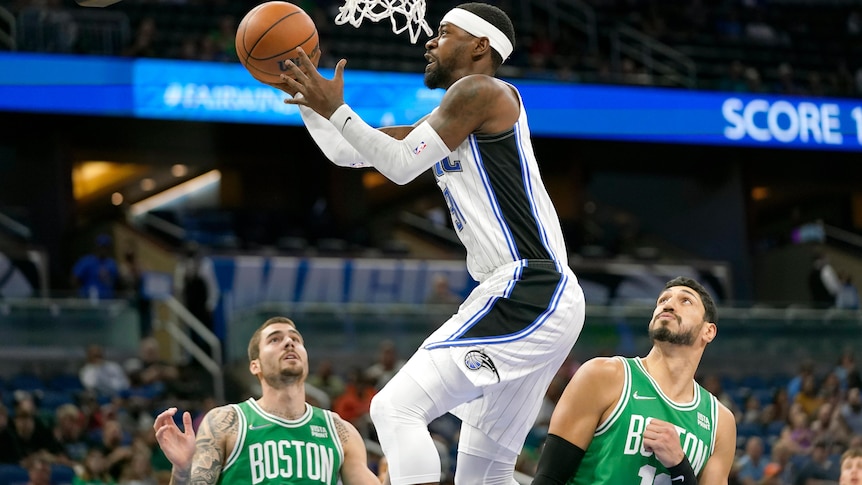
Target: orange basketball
pixel 269 34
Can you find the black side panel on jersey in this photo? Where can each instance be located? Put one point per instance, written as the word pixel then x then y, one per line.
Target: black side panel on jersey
pixel 531 296
pixel 500 158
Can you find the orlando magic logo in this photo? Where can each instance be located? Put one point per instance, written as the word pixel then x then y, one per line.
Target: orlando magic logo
pixel 476 359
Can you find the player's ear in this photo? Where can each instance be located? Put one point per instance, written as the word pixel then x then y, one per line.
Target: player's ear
pixel 481 47
pixel 710 330
pixel 254 366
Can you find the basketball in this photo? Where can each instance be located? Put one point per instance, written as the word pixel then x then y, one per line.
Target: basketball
pixel 269 34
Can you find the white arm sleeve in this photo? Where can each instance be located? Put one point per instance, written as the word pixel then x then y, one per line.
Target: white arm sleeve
pixel 330 141
pixel 398 160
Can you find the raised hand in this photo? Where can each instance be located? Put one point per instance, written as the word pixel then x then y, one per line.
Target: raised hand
pixel 178 445
pixel 318 93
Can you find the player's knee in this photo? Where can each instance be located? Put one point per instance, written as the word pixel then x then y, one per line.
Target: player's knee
pixel 390 408
pixel 381 407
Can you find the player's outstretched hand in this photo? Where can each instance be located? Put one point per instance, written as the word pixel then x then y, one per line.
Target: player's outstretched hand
pixel 662 438
pixel 178 445
pixel 318 93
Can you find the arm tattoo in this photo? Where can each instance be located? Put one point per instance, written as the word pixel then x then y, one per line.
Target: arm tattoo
pixel 341 429
pixel 210 445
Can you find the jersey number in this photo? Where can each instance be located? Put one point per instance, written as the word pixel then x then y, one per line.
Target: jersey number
pixel 457 216
pixel 648 476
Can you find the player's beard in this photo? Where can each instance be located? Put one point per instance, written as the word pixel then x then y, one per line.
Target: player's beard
pixel 435 77
pixel 278 378
pixel 440 75
pixel 662 333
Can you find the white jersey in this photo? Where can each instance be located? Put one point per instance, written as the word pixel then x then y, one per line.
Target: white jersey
pixel 500 208
pixel 513 331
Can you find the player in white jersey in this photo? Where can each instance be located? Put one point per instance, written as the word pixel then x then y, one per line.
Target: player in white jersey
pixel 490 363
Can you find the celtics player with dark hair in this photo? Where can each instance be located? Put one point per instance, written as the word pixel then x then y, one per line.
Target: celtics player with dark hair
pixel 645 420
pixel 277 439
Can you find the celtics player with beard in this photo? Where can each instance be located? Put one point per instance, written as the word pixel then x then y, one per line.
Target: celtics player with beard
pixel 277 439
pixel 645 421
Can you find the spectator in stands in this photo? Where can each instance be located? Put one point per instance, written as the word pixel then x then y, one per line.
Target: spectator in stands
pixel 786 80
pixel 540 51
pixel 100 375
pixel 819 466
pixel 840 81
pixel 798 432
pixel 94 470
pixel 188 49
pixel 388 363
pixel 354 403
pixel 759 31
pixel 806 369
pixel 38 468
pixel 441 293
pixel 96 275
pixel 7 453
pixel 145 42
pixel 733 79
pixel 326 379
pixel 196 287
pixel 753 81
pixel 823 282
pixel 148 371
pixel 138 470
pixel 69 432
pixel 815 86
pixel 847 297
pixel 854 23
pixel 131 284
pixel 752 411
pixel 809 397
pixel 223 38
pixel 29 434
pixel 777 410
pixel 115 448
pixel 145 439
pixel 752 464
pixel 827 426
pixel 850 411
pixel 782 455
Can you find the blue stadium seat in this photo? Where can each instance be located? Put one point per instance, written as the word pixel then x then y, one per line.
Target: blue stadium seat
pixel 13 475
pixel 775 428
pixel 51 400
pixel 66 382
pixel 62 475
pixel 745 431
pixel 753 382
pixel 25 382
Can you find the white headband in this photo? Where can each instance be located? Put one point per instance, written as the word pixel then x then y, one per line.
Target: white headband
pixel 479 27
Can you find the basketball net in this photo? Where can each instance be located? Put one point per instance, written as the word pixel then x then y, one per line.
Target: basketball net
pixel 412 11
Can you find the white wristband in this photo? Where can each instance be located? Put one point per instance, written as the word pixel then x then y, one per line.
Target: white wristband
pixel 398 160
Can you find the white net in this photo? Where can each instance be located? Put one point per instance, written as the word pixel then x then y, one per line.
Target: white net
pixel 403 14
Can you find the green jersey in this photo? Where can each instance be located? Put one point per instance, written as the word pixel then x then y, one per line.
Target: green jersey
pixel 270 449
pixel 616 454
